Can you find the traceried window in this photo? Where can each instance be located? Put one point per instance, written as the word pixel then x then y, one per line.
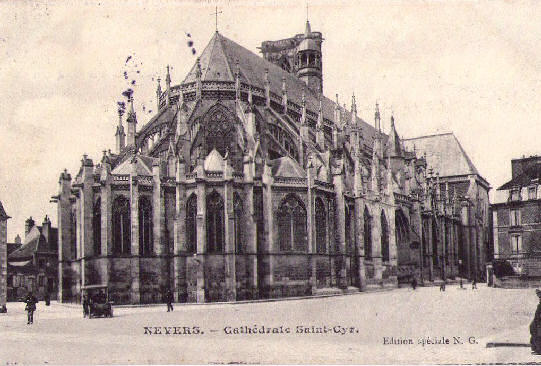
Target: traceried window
pixel 514 217
pixel 191 224
pixel 220 133
pixel 237 217
pixel 385 255
pixel 367 234
pixel 96 227
pixel 321 227
pixel 292 225
pixel 121 226
pixel 145 227
pixel 516 244
pixel 215 223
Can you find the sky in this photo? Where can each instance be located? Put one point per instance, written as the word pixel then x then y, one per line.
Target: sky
pixel 472 68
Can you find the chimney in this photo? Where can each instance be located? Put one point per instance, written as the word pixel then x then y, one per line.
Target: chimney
pixel 46 228
pixel 28 224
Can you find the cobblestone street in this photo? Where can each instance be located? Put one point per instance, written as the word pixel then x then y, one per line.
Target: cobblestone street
pixel 356 326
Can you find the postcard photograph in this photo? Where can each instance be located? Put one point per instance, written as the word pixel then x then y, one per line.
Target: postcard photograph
pixel 270 182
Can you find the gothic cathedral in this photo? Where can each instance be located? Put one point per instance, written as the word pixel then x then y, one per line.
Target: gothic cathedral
pixel 248 183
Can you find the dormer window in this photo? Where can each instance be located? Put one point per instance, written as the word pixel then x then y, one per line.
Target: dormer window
pixel 532 192
pixel 515 194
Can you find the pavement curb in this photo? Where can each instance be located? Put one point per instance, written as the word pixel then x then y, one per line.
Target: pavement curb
pixel 127 306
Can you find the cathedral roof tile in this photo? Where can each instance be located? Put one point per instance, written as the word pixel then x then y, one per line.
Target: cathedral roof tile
pixel 443 153
pixel 219 59
pixel 287 167
pixel 214 162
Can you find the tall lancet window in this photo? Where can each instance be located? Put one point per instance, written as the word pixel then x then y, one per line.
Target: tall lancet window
pixel 237 215
pixel 321 227
pixel 350 227
pixel 367 234
pixel 191 224
pixel 121 226
pixel 292 225
pixel 215 223
pixel 385 255
pixel 96 227
pixel 220 132
pixel 145 227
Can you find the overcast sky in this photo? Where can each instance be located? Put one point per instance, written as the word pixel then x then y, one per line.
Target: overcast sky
pixel 472 68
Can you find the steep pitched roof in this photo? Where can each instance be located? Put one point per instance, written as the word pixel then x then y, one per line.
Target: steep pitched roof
pixel 525 178
pixel 33 242
pixel 219 63
pixel 143 166
pixel 287 167
pixel 443 153
pixel 3 214
pixel 214 161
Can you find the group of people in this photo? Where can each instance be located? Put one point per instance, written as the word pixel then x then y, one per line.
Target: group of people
pixel 444 284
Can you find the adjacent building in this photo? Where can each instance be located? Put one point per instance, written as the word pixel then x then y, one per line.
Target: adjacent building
pixel 460 179
pixel 249 182
pixel 516 225
pixel 34 265
pixel 3 258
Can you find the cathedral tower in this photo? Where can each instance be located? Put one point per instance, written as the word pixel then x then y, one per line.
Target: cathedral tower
pixel 308 60
pixel 299 55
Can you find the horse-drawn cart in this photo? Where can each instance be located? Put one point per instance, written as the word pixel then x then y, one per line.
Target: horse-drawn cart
pixel 98 301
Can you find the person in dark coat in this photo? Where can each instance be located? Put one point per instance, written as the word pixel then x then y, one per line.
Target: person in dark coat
pixel 47 298
pixel 86 306
pixel 535 327
pixel 474 284
pixel 30 307
pixel 169 300
pixel 414 283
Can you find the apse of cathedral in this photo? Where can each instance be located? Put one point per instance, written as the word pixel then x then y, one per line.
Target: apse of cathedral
pixel 249 183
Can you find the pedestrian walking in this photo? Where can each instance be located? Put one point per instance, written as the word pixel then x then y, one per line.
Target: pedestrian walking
pixel 30 307
pixel 169 300
pixel 535 327
pixel 86 306
pixel 474 284
pixel 414 283
pixel 47 298
pixel 461 284
pixel 442 286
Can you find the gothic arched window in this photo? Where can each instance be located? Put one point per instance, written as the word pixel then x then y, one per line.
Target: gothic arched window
pixel 237 216
pixel 74 235
pixel 367 234
pixel 96 227
pixel 145 226
pixel 350 225
pixel 121 226
pixel 292 225
pixel 191 224
pixel 321 227
pixel 385 255
pixel 215 223
pixel 220 132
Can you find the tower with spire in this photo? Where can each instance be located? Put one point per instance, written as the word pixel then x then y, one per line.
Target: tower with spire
pixel 300 55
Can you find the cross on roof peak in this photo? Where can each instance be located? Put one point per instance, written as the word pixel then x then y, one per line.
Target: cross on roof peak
pixel 216 12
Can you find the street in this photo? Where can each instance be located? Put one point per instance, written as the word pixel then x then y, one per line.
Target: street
pixel 398 326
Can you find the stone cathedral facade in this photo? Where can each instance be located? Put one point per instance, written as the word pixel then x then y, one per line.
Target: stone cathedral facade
pixel 249 183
